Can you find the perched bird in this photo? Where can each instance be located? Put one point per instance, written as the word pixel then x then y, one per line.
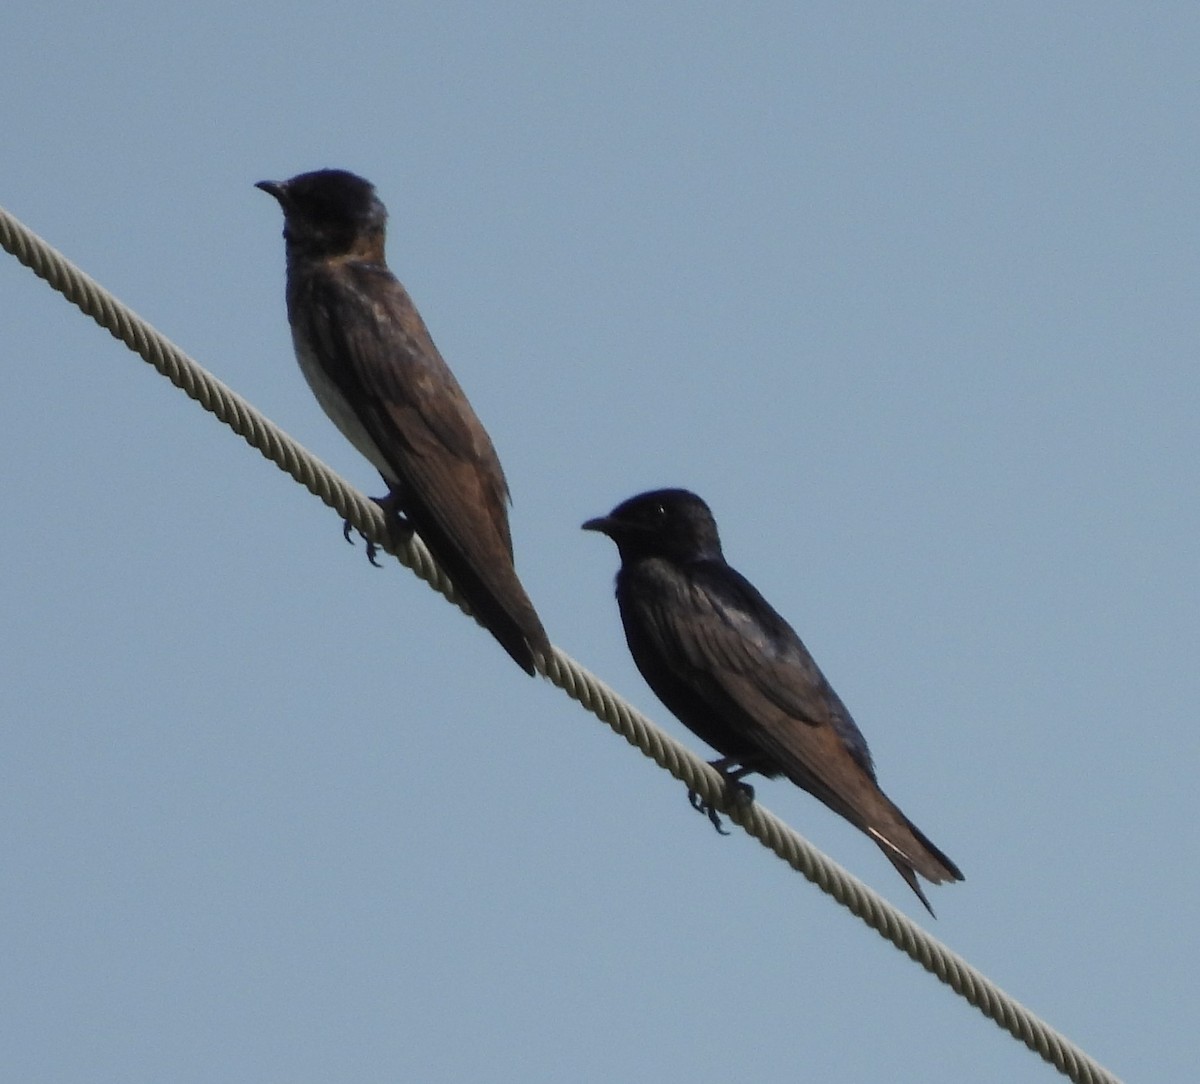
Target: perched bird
pixel 370 361
pixel 736 674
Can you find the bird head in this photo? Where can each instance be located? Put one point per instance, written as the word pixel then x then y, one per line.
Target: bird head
pixel 330 212
pixel 671 523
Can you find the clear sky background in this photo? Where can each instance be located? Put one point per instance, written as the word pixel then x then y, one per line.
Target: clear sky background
pixel 907 292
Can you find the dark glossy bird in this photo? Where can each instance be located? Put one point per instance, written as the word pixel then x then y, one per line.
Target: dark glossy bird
pixel 736 674
pixel 370 361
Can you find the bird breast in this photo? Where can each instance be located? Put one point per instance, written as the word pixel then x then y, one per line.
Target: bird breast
pixel 335 405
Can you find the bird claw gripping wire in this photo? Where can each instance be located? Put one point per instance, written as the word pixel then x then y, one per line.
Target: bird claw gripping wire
pixel 739 793
pixel 399 528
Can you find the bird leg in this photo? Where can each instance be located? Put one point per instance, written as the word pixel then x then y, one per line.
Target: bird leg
pixel 735 790
pixel 399 528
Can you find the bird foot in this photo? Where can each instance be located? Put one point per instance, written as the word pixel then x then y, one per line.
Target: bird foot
pixel 709 810
pixel 398 527
pixel 737 793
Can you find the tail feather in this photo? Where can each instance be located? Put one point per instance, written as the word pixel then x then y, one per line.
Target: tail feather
pixel 910 877
pixel 493 592
pixel 912 852
pixel 873 812
pixel 511 620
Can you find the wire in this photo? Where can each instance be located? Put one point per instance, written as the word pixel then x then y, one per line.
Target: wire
pixel 559 668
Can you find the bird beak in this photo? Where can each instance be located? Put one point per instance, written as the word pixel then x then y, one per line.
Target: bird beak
pixel 601 523
pixel 278 189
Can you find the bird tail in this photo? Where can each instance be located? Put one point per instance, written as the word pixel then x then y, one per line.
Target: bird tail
pixel 912 852
pixel 491 590
pixel 521 635
pixel 502 607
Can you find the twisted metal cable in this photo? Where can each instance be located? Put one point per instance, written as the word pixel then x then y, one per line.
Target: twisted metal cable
pixel 559 668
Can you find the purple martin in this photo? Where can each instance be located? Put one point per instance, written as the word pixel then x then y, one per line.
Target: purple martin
pixel 736 674
pixel 370 361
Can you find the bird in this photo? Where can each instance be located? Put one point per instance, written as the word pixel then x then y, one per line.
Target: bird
pixel 373 366
pixel 736 674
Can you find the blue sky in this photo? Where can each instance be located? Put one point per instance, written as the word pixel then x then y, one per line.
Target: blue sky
pixel 908 294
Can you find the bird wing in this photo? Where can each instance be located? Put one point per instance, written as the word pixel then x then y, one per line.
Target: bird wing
pixel 727 635
pixel 439 460
pixel 749 658
pixel 417 413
